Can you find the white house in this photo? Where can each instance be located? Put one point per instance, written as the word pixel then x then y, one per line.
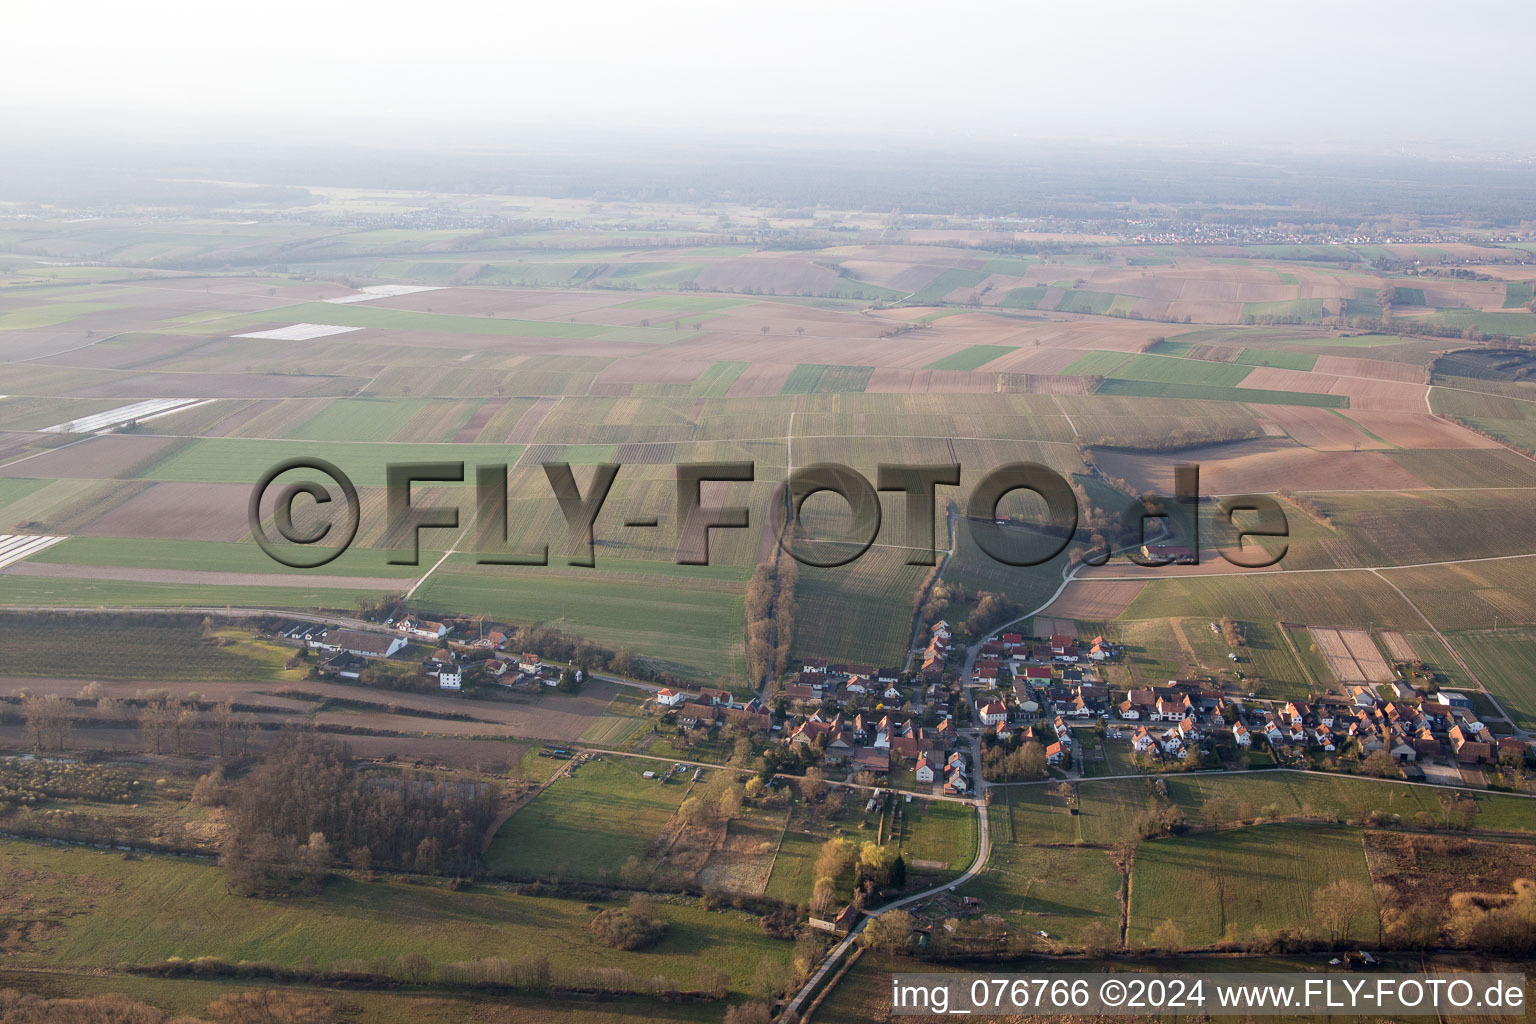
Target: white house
pixel 1240 734
pixel 993 713
pixel 450 677
pixel 924 771
pixel 671 698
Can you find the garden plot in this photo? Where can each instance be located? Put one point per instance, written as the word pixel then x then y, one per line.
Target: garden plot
pixel 299 332
pixel 139 412
pixel 1352 655
pixel 1366 655
pixel 376 291
pixel 15 547
pixel 1398 646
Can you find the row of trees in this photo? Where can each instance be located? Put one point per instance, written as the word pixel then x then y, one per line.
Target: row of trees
pixel 770 617
pixel 167 722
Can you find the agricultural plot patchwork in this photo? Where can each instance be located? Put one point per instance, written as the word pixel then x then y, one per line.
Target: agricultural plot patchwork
pixel 711 353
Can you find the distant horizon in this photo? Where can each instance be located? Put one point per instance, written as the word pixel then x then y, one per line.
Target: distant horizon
pixel 93 127
pixel 1194 73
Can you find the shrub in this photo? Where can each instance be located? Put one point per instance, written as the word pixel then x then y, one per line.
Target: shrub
pixel 633 927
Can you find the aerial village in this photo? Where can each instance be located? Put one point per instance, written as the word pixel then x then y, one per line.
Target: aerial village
pixel 1008 707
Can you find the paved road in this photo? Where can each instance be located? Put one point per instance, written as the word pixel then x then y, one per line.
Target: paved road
pixel 796 1004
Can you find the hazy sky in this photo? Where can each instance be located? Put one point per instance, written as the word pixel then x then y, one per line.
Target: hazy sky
pixel 1300 72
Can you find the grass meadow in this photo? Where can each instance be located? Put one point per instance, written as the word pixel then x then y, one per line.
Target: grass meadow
pixel 1225 884
pixel 111 911
pixel 584 828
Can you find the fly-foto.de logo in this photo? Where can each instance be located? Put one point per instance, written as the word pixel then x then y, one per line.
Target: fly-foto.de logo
pixel 305 512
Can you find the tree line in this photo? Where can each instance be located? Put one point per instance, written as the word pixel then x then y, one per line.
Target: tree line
pixel 770 617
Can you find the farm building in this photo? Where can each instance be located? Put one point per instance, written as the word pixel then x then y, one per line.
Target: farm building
pixel 364 645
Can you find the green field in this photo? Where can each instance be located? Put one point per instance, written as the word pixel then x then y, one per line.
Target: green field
pixel 1156 649
pixel 113 910
pixel 687 623
pixel 50 315
pixel 1167 370
pixel 1101 303
pixel 1339 599
pixel 1517 324
pixel 1389 529
pixel 1013 266
pixel 940 831
pixel 815 379
pixel 1055 889
pixel 1095 364
pixel 1505 662
pixel 243 460
pixel 584 828
pixel 16 488
pixel 1288 309
pixel 794 868
pixel 1277 357
pixel 1208 393
pixel 1510 417
pixel 1267 655
pixel 121 647
pixel 971 358
pixel 216 556
pixel 94 595
pixel 358 419
pixel 1023 298
pixel 934 291
pixel 717 380
pixel 1216 798
pixel 857 612
pixel 188 998
pixel 1224 885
